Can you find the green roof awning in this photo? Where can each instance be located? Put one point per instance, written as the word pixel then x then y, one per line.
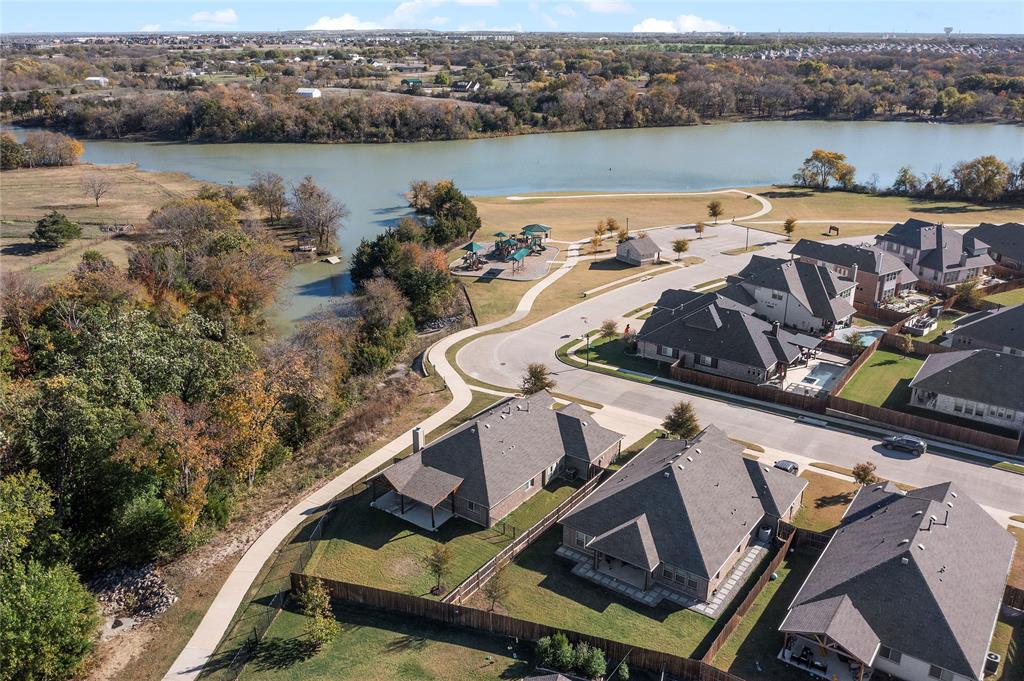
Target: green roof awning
pixel 474 247
pixel 537 228
pixel 520 254
pixel 501 235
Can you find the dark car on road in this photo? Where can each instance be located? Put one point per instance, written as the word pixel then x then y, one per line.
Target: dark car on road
pixel 788 466
pixel 907 443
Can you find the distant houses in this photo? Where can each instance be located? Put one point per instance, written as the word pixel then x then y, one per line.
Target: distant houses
pixel 97 81
pixel 309 92
pixel 879 275
pixel 465 86
pixel 1001 329
pixel 1005 242
pixel 937 254
pixel 977 385
pixel 638 250
pixel 484 469
pixel 909 585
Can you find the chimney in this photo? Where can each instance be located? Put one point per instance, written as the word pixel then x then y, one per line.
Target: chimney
pixel 775 329
pixel 963 258
pixel 417 439
pixel 853 273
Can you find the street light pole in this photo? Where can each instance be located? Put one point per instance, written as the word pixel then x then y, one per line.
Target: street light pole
pixel 586 337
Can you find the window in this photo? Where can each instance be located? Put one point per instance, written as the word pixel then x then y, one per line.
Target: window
pixel 893 656
pixel 704 359
pixel 470 506
pixel 691 582
pixel 664 350
pixel 958 406
pixel 667 572
pixel 582 539
pixel 681 578
pixel 529 483
pixel 940 673
pixel 776 295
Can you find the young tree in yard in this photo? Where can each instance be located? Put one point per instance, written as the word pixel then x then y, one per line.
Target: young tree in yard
pixel 864 473
pixel 789 226
pixel 715 210
pixel 496 589
pixel 682 421
pixel 609 328
pixel 267 191
pixel 906 345
pixel 590 661
pixel 856 341
pixel 95 186
pixel 55 230
pixel 967 293
pixel 680 246
pixel 699 228
pixel 612 226
pixel 320 627
pixel 439 564
pixel 601 229
pixel 318 214
pixel 595 243
pixel 536 378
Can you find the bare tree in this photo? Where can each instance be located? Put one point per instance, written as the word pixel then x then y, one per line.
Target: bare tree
pixel 268 192
pixel 96 185
pixel 318 214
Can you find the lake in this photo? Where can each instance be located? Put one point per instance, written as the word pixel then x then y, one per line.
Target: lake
pixel 370 179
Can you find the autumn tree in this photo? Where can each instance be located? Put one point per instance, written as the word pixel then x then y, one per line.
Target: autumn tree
pixel 537 378
pixel 609 328
pixel 682 421
pixel 44 148
pixel 967 293
pixel 320 626
pixel 595 243
pixel 823 167
pixel 496 589
pixel 983 179
pixel 864 473
pixel 905 345
pixel 699 229
pixel 245 422
pixel 680 246
pixel 268 192
pixel 715 210
pixel 906 182
pixel 318 214
pixel 601 229
pixel 55 230
pixel 438 563
pixel 789 226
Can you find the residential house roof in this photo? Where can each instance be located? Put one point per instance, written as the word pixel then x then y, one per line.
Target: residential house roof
pixel 924 570
pixel 718 325
pixel 941 248
pixel 866 258
pixel 643 245
pixel 1006 239
pixel 497 452
pixel 1003 327
pixel 815 286
pixel 986 376
pixel 685 504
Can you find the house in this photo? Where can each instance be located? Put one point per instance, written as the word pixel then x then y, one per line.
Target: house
pixel 484 469
pixel 796 294
pixel 1005 242
pixel 715 334
pixel 412 82
pixel 1001 330
pixel 638 250
pixel 978 385
pixel 910 584
pixel 879 275
pixel 308 92
pixel 935 253
pixel 98 81
pixel 465 86
pixel 680 514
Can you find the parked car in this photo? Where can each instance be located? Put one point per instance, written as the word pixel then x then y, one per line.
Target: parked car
pixel 907 443
pixel 788 466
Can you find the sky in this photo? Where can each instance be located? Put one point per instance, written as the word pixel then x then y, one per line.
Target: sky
pixel 877 16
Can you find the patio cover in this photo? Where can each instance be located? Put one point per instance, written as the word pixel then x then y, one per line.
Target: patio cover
pixel 424 484
pixel 536 228
pixel 839 619
pixel 474 247
pixel 501 235
pixel 520 254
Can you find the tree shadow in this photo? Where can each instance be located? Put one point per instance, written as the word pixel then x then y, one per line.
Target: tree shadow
pixel 281 653
pixel 787 194
pixel 883 363
pixel 612 265
pixel 841 499
pixel 25 249
pixel 899 397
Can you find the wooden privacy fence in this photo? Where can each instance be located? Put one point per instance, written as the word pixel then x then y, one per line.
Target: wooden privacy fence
pixel 476 580
pixel 919 347
pixel 495 623
pixel 924 426
pixel 758 392
pixel 745 605
pixel 1013 597
pixel 883 314
pixel 857 363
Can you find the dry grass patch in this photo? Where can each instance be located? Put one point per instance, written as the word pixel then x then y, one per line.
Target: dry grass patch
pixel 575 218
pixel 825 501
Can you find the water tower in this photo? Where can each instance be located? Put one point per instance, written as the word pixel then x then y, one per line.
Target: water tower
pixel 948 30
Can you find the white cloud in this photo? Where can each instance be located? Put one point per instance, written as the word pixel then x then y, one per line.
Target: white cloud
pixel 480 25
pixel 150 28
pixel 684 23
pixel 609 7
pixel 565 10
pixel 218 16
pixel 346 22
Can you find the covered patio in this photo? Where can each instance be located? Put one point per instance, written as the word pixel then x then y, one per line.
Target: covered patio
pixel 821 660
pixel 417 494
pixel 829 638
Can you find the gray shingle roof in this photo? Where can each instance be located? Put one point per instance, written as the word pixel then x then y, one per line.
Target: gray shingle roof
pixel 426 485
pixel 815 286
pixel 497 452
pixel 1003 327
pixel 717 325
pixel 995 378
pixel 867 259
pixel 925 570
pixel 664 507
pixel 941 248
pixel 838 619
pixel 643 245
pixel 1006 239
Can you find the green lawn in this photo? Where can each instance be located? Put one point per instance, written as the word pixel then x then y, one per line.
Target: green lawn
pixel 884 380
pixel 542 589
pixel 1008 641
pixel 750 651
pixel 825 501
pixel 1007 298
pixel 636 448
pixel 612 350
pixel 368 546
pixel 375 646
pixel 944 323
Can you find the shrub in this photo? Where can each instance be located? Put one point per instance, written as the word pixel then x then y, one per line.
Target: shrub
pixel 55 229
pixel 592 662
pixel 561 652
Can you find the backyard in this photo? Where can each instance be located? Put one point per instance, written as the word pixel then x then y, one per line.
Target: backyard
pixel 825 501
pixel 542 589
pixel 884 380
pixel 1007 298
pixel 369 546
pixel 942 324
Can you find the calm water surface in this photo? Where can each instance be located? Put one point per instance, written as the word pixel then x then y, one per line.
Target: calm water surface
pixel 370 179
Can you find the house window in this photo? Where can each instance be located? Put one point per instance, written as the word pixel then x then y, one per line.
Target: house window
pixel 664 351
pixel 958 406
pixel 940 673
pixel 470 506
pixel 529 483
pixel 691 582
pixel 667 572
pixel 704 360
pixel 893 656
pixel 776 295
pixel 582 539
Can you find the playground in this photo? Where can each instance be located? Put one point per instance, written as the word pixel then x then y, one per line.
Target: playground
pixel 524 256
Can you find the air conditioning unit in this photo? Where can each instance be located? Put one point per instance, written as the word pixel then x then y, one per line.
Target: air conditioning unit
pixel 992 661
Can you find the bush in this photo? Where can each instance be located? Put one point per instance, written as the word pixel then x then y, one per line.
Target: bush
pixel 144 528
pixel 561 652
pixel 55 229
pixel 220 504
pixel 592 662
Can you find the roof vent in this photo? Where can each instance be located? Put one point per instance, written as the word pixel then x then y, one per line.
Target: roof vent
pixel 953 494
pixel 487 425
pixel 903 541
pixel 666 474
pixel 680 466
pixel 904 560
pixel 690 459
pixel 503 417
pixel 949 503
pixel 921 546
pixel 932 517
pixel 697 450
pixel 917 513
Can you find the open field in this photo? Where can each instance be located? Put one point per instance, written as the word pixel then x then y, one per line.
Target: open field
pixel 825 501
pixel 28 194
pixel 1007 298
pixel 883 381
pixel 542 589
pixel 575 218
pixel 375 646
pixel 368 546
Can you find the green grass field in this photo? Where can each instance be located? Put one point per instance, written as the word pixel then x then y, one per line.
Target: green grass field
pixel 944 323
pixel 1007 298
pixel 883 381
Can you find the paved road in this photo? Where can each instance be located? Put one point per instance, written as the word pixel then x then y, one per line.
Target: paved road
pixel 501 358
